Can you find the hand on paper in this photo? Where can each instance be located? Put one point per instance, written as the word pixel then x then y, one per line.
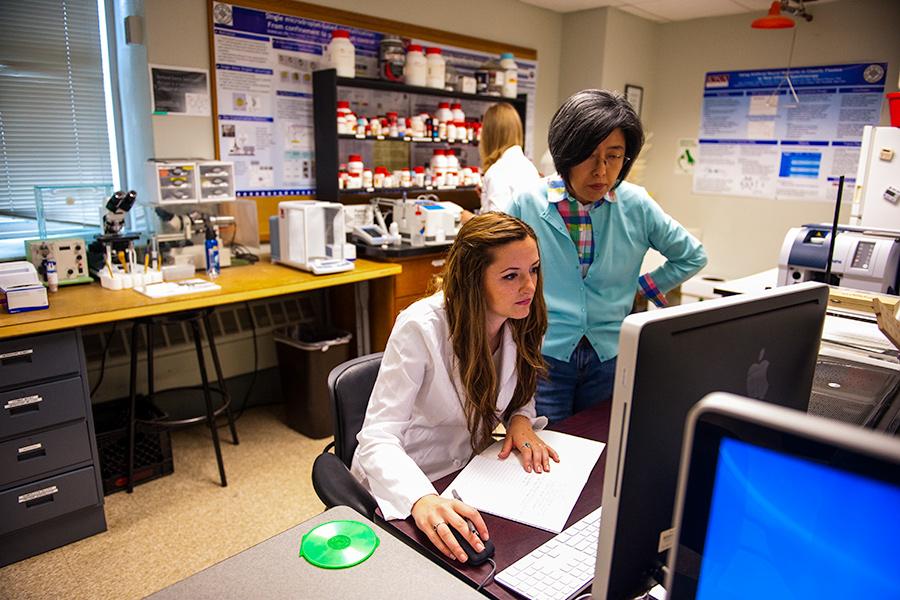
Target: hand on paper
pixel 535 453
pixel 435 516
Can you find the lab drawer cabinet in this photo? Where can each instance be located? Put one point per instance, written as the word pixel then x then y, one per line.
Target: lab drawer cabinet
pixel 50 490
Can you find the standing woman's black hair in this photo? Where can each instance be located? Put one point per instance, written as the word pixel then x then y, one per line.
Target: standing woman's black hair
pixel 586 119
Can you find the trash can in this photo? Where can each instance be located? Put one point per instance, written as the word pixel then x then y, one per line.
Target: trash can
pixel 306 355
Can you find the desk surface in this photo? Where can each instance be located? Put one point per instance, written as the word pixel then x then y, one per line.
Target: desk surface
pixel 514 540
pixel 80 305
pixel 274 569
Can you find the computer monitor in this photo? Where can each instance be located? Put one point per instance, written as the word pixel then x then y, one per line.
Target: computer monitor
pixel 760 345
pixel 777 504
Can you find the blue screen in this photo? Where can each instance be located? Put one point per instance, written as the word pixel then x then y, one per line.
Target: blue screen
pixel 784 527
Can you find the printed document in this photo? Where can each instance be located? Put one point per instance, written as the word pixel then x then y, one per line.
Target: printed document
pixel 542 500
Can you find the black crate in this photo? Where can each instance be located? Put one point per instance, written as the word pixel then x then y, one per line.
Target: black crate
pixel 152 448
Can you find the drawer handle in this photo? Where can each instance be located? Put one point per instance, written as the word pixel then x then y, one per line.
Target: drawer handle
pixel 17 356
pixel 23 404
pixel 38 497
pixel 32 451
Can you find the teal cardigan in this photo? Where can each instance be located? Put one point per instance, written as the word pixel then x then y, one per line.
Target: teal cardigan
pixel 624 229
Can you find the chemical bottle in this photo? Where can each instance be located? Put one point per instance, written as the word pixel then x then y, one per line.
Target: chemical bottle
pixel 458 114
pixel 510 75
pixel 212 253
pixel 436 68
pixel 415 71
pixel 489 78
pixel 52 275
pixel 346 120
pixel 340 53
pixel 391 58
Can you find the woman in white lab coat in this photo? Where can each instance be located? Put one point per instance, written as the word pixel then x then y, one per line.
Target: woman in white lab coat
pixel 456 365
pixel 506 168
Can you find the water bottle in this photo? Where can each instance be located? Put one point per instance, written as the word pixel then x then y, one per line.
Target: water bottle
pixel 212 254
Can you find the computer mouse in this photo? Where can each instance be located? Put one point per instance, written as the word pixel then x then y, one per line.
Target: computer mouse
pixel 475 558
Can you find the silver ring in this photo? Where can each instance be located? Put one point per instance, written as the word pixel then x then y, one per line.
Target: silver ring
pixel 434 527
pixel 527 445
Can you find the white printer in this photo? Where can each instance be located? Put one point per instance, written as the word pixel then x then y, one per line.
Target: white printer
pixel 865 258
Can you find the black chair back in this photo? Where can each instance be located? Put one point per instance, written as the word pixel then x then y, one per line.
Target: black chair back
pixel 350 384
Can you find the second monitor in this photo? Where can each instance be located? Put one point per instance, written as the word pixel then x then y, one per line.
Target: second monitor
pixel 759 345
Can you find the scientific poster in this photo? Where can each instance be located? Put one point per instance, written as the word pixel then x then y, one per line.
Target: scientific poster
pixel 264 63
pixel 771 133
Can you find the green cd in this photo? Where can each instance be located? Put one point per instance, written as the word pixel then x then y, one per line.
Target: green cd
pixel 338 544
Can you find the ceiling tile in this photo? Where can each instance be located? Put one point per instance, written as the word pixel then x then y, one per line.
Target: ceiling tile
pixel 681 10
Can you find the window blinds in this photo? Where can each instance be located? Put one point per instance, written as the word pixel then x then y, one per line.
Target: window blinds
pixel 53 129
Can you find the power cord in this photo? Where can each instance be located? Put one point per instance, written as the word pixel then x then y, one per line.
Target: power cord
pixel 109 337
pixel 490 576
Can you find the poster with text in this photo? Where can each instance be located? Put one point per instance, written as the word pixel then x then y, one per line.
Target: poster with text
pixel 789 135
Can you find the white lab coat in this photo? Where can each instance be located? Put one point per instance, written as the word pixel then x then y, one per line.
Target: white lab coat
pixel 512 172
pixel 415 430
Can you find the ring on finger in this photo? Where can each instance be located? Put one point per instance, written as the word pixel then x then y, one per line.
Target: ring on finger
pixel 435 527
pixel 527 445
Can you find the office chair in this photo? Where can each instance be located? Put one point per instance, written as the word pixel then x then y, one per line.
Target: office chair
pixel 349 386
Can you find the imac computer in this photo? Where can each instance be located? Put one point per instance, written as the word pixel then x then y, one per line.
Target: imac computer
pixel 759 345
pixel 776 504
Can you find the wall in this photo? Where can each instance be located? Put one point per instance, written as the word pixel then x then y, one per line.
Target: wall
pixel 744 235
pixel 177 34
pixel 608 48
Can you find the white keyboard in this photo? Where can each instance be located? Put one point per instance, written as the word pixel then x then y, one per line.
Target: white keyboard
pixel 559 569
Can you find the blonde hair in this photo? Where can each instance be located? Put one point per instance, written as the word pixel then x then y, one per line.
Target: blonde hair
pixel 502 129
pixel 463 283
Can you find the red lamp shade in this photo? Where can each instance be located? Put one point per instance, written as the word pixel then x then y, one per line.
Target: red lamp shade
pixel 773 20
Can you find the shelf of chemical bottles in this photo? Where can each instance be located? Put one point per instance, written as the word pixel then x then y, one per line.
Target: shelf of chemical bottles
pixel 394 86
pixel 408 190
pixel 405 139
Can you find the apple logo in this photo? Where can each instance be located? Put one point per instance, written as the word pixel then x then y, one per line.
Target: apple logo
pixel 757 381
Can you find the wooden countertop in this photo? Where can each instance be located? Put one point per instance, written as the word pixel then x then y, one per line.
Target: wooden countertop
pixel 88 304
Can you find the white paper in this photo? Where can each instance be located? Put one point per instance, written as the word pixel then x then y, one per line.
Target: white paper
pixel 542 500
pixel 177 288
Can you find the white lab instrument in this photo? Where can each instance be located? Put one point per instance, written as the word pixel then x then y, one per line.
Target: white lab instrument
pixel 426 222
pixel 311 236
pixel 865 258
pixel 374 231
pixel 876 199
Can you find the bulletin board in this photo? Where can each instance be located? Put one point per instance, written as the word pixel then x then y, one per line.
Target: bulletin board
pixel 263 55
pixel 765 135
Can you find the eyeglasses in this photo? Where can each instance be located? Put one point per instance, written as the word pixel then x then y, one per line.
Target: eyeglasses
pixel 613 162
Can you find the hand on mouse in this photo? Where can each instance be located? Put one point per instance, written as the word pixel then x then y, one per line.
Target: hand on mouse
pixel 435 516
pixel 535 453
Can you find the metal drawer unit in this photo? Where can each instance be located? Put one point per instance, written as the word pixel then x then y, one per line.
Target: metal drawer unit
pixel 50 488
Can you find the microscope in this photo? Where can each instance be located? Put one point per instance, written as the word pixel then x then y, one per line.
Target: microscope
pixel 114 242
pixel 182 237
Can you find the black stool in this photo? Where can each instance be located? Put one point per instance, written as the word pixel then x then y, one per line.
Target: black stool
pixel 193 318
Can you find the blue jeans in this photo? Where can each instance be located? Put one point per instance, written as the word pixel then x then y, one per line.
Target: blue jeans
pixel 572 386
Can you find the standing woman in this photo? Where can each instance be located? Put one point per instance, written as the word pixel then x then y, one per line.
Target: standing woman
pixel 594 229
pixel 506 168
pixel 457 364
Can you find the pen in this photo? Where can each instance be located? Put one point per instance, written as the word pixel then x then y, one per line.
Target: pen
pixel 470 523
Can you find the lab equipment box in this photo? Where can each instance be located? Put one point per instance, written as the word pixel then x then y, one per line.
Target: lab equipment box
pixel 191 182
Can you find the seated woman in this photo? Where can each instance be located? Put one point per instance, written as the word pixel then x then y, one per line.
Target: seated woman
pixel 457 364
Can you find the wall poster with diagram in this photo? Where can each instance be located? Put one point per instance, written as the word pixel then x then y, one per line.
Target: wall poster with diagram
pixel 263 82
pixel 787 135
